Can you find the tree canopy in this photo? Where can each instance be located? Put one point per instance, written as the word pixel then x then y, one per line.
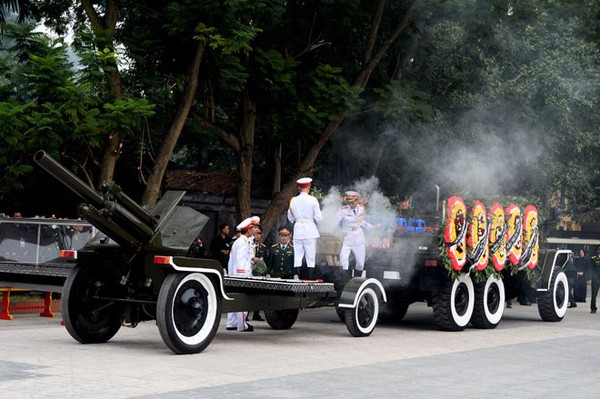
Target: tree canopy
pixel 479 96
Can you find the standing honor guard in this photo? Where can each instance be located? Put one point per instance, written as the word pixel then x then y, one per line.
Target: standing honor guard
pixel 595 277
pixel 240 265
pixel 281 257
pixel 352 219
pixel 304 211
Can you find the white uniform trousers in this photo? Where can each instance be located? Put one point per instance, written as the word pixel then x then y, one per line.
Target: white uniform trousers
pixel 353 242
pixel 307 248
pixel 359 256
pixel 237 319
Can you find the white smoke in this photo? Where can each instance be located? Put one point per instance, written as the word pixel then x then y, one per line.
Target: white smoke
pixel 330 204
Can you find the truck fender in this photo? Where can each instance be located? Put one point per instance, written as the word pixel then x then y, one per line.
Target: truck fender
pixel 202 270
pixel 354 288
pixel 552 262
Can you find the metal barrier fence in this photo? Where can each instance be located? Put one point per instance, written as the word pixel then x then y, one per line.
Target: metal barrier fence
pixel 38 241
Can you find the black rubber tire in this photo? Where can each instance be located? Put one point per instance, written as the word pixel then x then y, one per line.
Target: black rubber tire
pixel 188 312
pixel 489 303
pixel 552 304
pixel 392 311
pixel 341 313
pixel 88 320
pixel 453 304
pixel 282 319
pixel 362 319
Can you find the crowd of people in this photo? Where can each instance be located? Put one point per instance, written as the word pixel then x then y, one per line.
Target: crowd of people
pixel 581 271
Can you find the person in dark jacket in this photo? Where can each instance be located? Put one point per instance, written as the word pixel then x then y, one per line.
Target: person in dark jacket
pixel 569 270
pixel 197 249
pixel 582 265
pixel 595 277
pixel 221 245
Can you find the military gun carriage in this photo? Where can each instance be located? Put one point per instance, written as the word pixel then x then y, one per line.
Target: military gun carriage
pixel 408 261
pixel 136 269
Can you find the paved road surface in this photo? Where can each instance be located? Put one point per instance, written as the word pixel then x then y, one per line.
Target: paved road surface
pixel 523 358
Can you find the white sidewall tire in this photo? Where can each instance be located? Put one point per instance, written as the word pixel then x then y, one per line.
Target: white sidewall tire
pixel 560 311
pixel 375 300
pixel 495 317
pixel 463 320
pixel 211 314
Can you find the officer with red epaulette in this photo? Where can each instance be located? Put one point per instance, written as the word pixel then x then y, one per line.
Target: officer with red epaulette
pixel 281 258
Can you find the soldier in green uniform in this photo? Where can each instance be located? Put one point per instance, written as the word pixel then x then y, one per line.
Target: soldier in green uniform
pixel 595 276
pixel 281 258
pixel 260 251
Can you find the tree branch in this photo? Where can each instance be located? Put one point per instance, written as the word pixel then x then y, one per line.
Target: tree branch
pixel 363 76
pixel 229 138
pixel 374 31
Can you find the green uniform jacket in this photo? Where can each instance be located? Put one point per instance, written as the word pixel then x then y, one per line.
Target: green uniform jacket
pixel 281 261
pixel 260 251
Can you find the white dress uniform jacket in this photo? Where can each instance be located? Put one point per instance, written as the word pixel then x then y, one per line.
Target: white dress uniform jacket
pixel 305 212
pixel 240 258
pixel 240 265
pixel 352 222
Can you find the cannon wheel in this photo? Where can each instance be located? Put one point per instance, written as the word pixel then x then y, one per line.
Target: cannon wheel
pixel 453 304
pixel 362 319
pixel 88 320
pixel 552 304
pixel 281 319
pixel 489 303
pixel 188 312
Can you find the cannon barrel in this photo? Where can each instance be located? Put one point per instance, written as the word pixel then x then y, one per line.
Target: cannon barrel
pixel 128 225
pixel 66 177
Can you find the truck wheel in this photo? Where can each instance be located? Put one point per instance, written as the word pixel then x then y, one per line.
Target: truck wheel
pixel 362 319
pixel 88 320
pixel 552 304
pixel 489 303
pixel 453 304
pixel 392 311
pixel 188 312
pixel 281 319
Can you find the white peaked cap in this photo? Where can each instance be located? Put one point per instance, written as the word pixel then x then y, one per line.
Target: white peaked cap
pixel 245 225
pixel 305 181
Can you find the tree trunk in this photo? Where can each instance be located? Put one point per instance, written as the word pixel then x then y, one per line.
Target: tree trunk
pixel 281 200
pixel 166 149
pixel 245 156
pixel 277 170
pixel 100 26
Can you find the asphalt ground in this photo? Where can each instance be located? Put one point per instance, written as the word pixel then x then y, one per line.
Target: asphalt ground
pixel 523 357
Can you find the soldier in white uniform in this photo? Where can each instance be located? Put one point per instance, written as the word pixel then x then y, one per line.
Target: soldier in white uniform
pixel 352 220
pixel 305 212
pixel 240 265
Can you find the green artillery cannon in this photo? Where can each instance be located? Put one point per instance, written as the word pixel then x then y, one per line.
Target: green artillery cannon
pixel 136 270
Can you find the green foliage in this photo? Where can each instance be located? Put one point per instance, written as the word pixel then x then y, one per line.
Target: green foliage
pixel 51 108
